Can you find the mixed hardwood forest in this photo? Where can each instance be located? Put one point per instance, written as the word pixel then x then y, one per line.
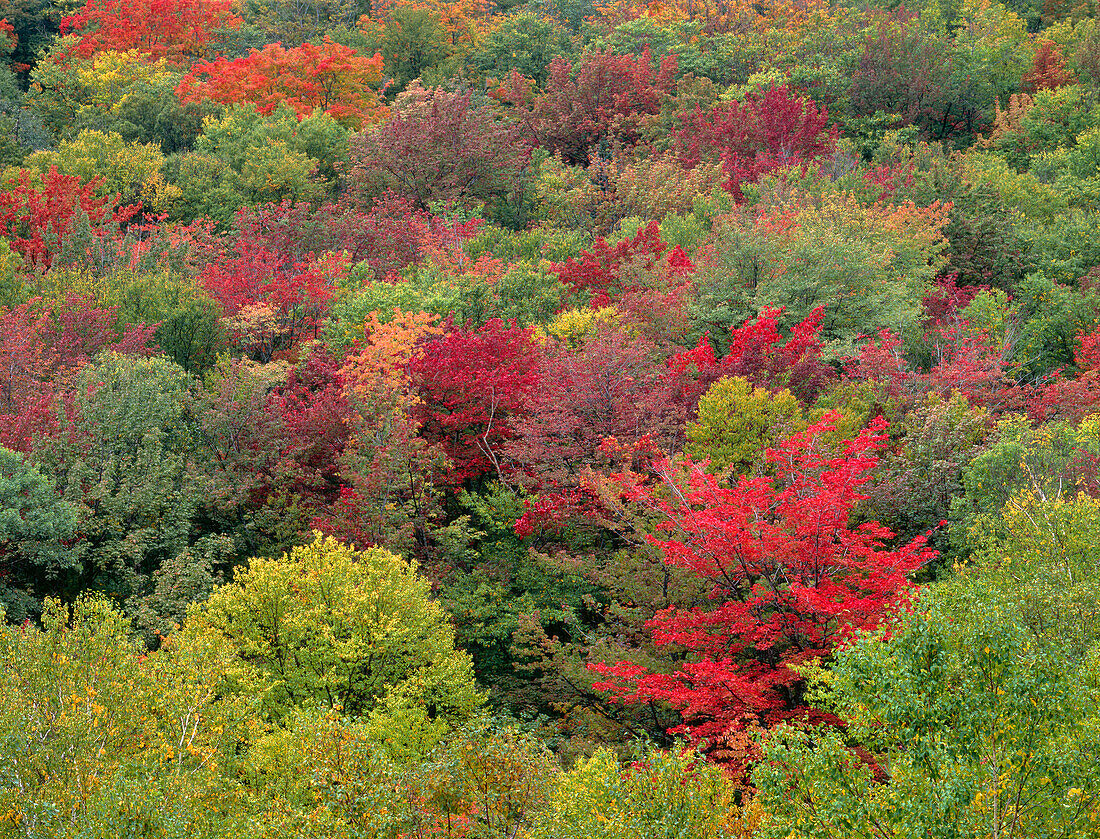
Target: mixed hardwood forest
pixel 549 420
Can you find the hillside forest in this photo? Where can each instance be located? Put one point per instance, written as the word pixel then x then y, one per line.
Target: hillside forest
pixel 564 419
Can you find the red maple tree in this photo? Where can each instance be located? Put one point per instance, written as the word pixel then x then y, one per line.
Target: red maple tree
pixel 791 578
pixel 760 354
pixel 269 301
pixel 599 98
pixel 177 30
pixel 599 271
pixel 473 386
pixel 38 212
pixel 1048 70
pixel 766 132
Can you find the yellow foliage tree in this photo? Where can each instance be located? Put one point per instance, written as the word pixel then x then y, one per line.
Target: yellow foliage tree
pixel 129 170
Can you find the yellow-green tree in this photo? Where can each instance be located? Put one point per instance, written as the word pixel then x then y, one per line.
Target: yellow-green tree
pixel 662 795
pixel 99 738
pixel 113 90
pixel 737 422
pixel 330 627
pixel 130 170
pixel 980 705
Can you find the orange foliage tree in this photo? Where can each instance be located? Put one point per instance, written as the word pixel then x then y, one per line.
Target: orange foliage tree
pixel 329 76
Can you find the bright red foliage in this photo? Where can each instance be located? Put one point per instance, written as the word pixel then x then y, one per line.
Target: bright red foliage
pixel 963 360
pixel 269 301
pixel 759 354
pixel 1071 399
pixel 598 271
pixel 8 38
pixel 473 385
pixel 791 579
pixel 38 211
pixel 764 133
pixel 943 303
pixel 177 30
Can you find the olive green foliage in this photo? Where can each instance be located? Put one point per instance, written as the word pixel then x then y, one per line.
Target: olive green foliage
pixel 117 92
pixel 1019 458
pixel 326 776
pixel 663 794
pixel 128 465
pixel 737 422
pixel 526 292
pixel 187 319
pixel 162 291
pixel 99 739
pixel 527 245
pixel 329 627
pixel 915 484
pixel 13 289
pixel 524 41
pixel 129 170
pixel 499 589
pixel 21 130
pixel 1050 317
pixel 980 704
pixel 1054 120
pixel 291 23
pixel 1046 558
pixel 867 266
pixel 413 42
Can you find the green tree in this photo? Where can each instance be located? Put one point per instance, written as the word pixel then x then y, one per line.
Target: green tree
pixel 247 157
pixel 98 738
pixel 981 728
pixel 979 705
pixel 1049 460
pixel 413 41
pixel 523 41
pixel 915 484
pixel 661 795
pixel 129 170
pixel 868 266
pixel 33 522
pixel 115 91
pixel 128 460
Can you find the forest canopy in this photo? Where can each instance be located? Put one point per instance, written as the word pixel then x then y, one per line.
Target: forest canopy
pixel 468 418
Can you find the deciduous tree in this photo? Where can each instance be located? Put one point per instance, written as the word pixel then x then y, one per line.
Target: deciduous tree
pixel 330 77
pixel 329 626
pixel 791 578
pixel 440 147
pixel 178 30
